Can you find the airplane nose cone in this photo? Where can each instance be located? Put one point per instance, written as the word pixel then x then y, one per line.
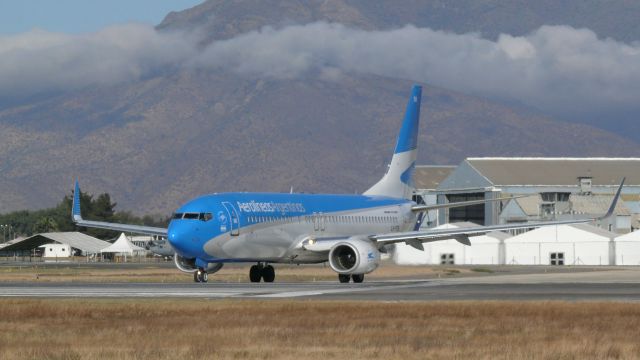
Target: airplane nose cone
pixel 177 237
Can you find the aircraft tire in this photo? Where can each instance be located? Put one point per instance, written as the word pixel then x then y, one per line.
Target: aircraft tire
pixel 196 277
pixel 268 274
pixel 255 273
pixel 204 277
pixel 344 278
pixel 357 278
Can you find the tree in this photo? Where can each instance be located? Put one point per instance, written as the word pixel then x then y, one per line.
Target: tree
pixel 45 224
pixel 58 218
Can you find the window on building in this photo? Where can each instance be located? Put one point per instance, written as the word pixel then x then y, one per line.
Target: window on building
pixel 473 213
pixel 447 259
pixel 555 196
pixel 556 258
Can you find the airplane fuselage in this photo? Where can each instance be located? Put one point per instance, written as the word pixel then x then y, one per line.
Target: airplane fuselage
pixel 269 227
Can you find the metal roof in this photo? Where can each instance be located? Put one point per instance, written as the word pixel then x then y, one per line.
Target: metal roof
pixel 557 171
pixel 596 204
pixel 76 240
pixel 428 177
pixel 530 205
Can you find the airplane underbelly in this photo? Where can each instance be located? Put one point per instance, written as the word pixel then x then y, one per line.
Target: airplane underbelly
pixel 268 244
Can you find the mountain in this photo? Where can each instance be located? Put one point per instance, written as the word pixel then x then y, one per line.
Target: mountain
pixel 224 19
pixel 159 141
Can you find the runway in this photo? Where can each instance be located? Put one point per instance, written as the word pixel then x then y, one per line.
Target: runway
pixel 623 285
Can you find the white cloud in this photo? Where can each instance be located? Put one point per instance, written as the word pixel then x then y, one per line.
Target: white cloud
pixel 556 68
pixel 39 61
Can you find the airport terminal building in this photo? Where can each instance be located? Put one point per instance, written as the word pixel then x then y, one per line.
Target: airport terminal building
pixel 550 189
pixel 554 188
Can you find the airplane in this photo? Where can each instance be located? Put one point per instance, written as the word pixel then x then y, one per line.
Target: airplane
pixel 347 231
pixel 160 247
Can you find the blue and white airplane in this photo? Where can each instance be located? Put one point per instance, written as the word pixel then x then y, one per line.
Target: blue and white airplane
pixel 348 231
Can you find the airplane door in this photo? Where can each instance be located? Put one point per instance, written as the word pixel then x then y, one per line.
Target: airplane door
pixel 316 222
pixel 234 220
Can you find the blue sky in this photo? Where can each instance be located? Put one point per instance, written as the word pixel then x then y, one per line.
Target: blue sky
pixel 81 16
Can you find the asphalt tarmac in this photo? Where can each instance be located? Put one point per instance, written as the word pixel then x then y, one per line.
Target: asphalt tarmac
pixel 610 285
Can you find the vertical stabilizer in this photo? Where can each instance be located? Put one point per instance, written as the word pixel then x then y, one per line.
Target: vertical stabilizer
pixel 398 181
pixel 75 207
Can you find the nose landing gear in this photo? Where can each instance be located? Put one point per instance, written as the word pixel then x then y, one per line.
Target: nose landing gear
pixel 200 275
pixel 261 271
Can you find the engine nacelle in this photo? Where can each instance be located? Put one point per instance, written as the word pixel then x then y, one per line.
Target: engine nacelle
pixel 354 256
pixel 189 265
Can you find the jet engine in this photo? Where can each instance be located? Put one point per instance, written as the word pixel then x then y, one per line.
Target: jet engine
pixel 189 265
pixel 354 256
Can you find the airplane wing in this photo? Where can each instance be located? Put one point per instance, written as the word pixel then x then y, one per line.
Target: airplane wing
pixel 416 238
pixel 138 229
pixel 421 208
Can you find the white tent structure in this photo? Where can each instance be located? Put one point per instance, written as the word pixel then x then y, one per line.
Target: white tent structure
pixel 484 249
pixel 123 246
pixel 577 244
pixel 628 248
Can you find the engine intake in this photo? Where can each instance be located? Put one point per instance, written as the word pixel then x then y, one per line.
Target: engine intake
pixel 189 265
pixel 354 256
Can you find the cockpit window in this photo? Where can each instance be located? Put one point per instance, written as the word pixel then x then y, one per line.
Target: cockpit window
pixel 193 216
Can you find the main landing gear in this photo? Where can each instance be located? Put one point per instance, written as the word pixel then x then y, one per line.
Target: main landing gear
pixel 357 278
pixel 200 275
pixel 261 271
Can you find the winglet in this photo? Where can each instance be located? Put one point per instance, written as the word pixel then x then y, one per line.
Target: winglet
pixel 75 207
pixel 612 207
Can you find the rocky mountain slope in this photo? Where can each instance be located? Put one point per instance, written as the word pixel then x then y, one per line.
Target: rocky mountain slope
pixel 157 142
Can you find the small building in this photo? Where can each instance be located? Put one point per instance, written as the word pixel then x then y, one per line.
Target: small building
pixel 54 250
pixel 577 244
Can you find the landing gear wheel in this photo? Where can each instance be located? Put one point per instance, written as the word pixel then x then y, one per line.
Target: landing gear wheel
pixel 357 278
pixel 268 274
pixel 255 273
pixel 344 278
pixel 200 276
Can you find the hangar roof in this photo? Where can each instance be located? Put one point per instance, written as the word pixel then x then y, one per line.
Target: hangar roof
pixel 557 171
pixel 563 233
pixel 76 240
pixel 430 176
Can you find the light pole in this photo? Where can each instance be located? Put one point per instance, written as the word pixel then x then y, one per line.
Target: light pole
pixel 4 233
